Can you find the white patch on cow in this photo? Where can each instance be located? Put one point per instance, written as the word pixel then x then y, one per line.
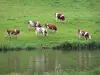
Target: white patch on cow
pixel 89 37
pixel 85 33
pixel 62 15
pixel 47 26
pixel 15 30
pixel 47 23
pixel 37 23
pixel 40 30
pixel 56 16
pixel 31 22
pixel 80 32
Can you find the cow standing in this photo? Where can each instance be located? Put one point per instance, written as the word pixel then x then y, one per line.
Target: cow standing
pixel 13 32
pixel 51 26
pixel 60 17
pixel 41 30
pixel 84 34
pixel 33 24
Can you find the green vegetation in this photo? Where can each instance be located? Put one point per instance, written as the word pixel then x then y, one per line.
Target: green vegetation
pixel 83 14
pixel 78 45
pixel 62 73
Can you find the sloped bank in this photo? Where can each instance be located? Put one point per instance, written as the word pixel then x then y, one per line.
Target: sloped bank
pixel 78 45
pixel 62 46
pixel 16 48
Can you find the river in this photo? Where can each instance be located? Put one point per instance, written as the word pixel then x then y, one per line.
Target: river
pixel 41 61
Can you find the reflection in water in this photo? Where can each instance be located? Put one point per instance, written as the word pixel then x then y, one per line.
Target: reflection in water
pixel 49 61
pixel 84 60
pixel 40 63
pixel 14 63
pixel 30 65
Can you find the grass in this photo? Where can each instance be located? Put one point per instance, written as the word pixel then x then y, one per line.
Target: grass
pixel 63 73
pixel 79 14
pixel 60 73
pixel 78 46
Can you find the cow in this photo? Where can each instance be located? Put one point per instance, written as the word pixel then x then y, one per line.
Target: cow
pixel 51 26
pixel 84 34
pixel 33 24
pixel 60 17
pixel 13 32
pixel 41 30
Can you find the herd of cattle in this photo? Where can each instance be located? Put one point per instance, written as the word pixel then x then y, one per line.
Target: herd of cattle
pixel 43 30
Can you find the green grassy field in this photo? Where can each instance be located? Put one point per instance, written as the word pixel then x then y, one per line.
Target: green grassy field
pixel 80 14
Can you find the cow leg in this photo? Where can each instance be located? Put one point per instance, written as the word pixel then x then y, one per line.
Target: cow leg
pixel 86 38
pixel 9 35
pixel 78 36
pixel 46 34
pixel 36 33
pixel 62 21
pixel 43 33
pixel 89 37
pixel 29 27
pixel 56 19
pixel 16 36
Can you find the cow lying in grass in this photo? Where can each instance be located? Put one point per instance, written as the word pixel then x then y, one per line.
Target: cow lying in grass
pixel 13 32
pixel 51 26
pixel 84 34
pixel 41 30
pixel 60 17
pixel 33 24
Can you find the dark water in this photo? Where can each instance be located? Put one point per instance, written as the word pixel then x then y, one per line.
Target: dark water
pixel 41 61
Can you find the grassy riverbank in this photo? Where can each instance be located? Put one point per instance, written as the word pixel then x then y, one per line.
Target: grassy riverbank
pixel 79 14
pixel 61 46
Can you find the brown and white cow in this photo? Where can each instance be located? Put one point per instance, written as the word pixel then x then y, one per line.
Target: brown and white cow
pixel 84 34
pixel 51 26
pixel 33 24
pixel 60 17
pixel 41 30
pixel 13 32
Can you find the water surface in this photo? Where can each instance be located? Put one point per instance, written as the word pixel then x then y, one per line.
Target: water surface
pixel 48 61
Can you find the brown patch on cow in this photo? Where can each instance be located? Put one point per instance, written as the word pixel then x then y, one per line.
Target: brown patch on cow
pixel 13 32
pixel 51 26
pixel 60 16
pixel 84 34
